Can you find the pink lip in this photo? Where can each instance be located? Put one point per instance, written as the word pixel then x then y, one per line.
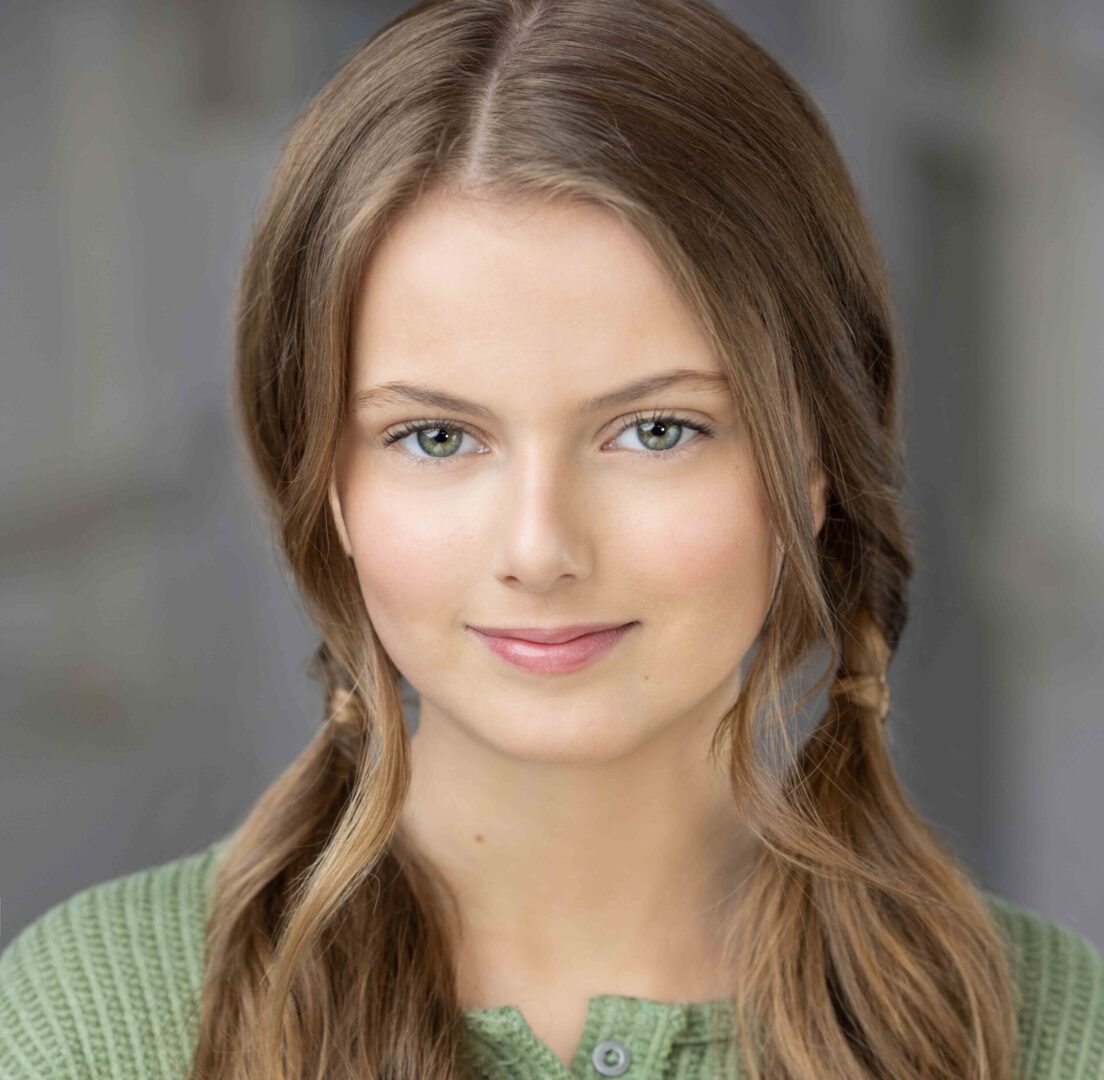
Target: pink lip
pixel 547 637
pixel 554 658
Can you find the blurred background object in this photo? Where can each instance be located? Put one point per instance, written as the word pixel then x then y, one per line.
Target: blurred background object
pixel 153 651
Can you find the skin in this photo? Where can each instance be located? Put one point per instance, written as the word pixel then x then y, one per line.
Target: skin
pixel 592 846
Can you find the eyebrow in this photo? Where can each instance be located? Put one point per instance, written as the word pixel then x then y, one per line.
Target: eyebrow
pixel 397 392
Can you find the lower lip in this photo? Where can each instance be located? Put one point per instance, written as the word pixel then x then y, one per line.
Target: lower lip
pixel 565 657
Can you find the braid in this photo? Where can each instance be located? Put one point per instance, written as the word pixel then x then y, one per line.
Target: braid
pixel 861 676
pixel 866 691
pixel 345 719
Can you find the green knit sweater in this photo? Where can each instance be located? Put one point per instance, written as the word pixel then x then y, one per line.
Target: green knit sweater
pixel 105 984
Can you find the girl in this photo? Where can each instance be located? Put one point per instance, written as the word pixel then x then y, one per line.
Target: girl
pixel 568 367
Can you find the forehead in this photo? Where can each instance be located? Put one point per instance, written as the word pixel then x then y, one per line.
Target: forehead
pixel 466 290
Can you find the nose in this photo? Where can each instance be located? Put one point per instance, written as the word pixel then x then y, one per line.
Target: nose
pixel 545 523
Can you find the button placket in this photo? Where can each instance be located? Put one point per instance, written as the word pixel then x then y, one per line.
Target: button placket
pixel 611 1057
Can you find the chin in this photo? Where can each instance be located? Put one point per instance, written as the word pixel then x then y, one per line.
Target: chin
pixel 553 736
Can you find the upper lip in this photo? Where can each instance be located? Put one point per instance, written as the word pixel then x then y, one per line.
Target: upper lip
pixel 552 636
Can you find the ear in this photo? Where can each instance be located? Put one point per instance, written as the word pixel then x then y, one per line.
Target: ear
pixel 818 495
pixel 338 517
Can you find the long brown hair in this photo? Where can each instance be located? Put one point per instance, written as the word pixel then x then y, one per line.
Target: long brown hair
pixel 868 951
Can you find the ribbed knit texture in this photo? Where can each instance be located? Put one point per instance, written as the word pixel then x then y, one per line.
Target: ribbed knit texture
pixel 106 984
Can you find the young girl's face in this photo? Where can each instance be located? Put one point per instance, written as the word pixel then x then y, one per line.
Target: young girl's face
pixel 527 507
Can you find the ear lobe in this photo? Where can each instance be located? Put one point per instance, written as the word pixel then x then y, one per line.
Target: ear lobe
pixel 338 518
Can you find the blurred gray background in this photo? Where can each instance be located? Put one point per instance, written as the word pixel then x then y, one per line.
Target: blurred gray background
pixel 153 651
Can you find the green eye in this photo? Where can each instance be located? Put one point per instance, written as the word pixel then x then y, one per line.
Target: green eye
pixel 658 433
pixel 663 431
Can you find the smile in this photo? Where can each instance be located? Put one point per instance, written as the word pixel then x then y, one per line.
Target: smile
pixel 549 659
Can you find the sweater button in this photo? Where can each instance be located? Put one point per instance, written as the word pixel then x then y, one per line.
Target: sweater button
pixel 611 1057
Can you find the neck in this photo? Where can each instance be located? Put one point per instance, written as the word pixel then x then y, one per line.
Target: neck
pixel 619 876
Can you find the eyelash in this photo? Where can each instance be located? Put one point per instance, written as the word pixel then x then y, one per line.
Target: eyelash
pixel 704 428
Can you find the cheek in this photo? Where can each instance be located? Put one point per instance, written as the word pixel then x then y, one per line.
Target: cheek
pixel 410 563
pixel 709 557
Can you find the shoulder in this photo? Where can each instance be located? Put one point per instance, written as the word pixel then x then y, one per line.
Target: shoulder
pixel 1059 977
pixel 104 983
